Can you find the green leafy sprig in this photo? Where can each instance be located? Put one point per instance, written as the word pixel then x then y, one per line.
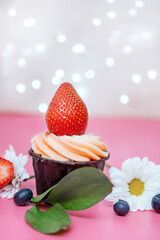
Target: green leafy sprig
pixel 79 190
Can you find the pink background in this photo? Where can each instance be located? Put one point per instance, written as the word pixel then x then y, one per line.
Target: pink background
pixel 126 138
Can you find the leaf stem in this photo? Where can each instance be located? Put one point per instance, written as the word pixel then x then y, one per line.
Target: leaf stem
pixel 107 165
pixel 26 179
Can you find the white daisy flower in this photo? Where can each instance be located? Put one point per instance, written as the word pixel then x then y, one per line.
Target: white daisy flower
pixel 20 173
pixel 137 182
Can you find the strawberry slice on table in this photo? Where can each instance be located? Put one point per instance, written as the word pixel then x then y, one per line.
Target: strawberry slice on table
pixel 67 113
pixel 6 172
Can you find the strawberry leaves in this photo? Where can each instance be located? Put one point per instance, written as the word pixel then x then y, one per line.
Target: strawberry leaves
pixel 79 190
pixel 41 197
pixel 50 221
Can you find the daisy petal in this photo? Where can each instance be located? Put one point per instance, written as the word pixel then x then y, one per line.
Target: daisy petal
pixel 116 176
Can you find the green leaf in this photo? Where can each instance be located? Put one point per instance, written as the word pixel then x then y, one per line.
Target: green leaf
pixel 80 189
pixel 49 221
pixel 43 196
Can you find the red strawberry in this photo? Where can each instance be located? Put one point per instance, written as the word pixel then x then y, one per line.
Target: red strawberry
pixel 6 172
pixel 67 114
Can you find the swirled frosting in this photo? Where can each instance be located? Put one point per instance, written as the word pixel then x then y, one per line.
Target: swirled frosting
pixel 69 148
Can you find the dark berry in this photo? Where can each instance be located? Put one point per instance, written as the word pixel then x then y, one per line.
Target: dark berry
pixel 156 203
pixel 121 207
pixel 23 197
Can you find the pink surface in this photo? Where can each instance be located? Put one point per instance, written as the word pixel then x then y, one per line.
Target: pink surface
pixel 125 138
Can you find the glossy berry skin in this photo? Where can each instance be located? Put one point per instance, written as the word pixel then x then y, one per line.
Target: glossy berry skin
pixel 67 114
pixel 121 208
pixel 156 203
pixel 23 197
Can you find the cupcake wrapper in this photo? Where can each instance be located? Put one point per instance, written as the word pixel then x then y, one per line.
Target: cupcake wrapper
pixel 50 172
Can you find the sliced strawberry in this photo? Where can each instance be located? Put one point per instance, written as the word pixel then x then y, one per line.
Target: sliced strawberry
pixel 67 114
pixel 6 172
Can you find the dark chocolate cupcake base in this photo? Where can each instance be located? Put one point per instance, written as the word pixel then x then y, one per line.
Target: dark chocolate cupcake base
pixel 50 172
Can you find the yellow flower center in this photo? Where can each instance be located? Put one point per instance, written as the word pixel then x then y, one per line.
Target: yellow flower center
pixel 136 187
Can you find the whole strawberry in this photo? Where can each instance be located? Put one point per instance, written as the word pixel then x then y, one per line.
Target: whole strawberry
pixel 67 114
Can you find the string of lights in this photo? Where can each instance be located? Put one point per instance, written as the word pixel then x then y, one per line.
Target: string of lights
pixel 99 54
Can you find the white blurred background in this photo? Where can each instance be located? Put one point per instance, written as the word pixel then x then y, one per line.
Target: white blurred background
pixel 108 49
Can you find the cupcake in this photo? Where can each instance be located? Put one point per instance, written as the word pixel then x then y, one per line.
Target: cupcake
pixel 64 146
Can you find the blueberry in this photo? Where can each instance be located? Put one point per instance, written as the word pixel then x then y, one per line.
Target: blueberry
pixel 23 197
pixel 156 203
pixel 121 207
